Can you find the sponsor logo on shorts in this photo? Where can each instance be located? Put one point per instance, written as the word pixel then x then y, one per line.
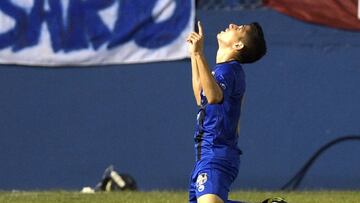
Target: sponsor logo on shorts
pixel 201 180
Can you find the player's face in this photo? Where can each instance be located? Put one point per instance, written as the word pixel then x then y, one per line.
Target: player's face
pixel 232 34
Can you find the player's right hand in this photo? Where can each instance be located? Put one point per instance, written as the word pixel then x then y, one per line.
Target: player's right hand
pixel 196 41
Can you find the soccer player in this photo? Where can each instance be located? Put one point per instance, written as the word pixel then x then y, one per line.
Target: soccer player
pixel 219 95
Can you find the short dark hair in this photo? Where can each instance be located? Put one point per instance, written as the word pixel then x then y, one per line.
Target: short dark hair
pixel 254 45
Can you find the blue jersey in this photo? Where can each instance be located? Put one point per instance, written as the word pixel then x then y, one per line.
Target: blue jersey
pixel 216 134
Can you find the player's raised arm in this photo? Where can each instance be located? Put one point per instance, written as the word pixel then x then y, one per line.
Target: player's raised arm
pixel 208 83
pixel 194 69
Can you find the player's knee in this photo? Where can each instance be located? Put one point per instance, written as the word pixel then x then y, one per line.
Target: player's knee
pixel 209 198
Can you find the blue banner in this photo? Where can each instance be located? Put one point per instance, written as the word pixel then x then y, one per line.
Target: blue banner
pixel 87 32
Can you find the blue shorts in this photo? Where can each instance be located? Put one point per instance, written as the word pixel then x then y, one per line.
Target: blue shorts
pixel 212 177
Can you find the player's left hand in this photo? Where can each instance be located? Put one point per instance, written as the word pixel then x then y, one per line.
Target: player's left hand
pixel 196 41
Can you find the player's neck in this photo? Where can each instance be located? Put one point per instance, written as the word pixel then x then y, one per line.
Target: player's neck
pixel 224 56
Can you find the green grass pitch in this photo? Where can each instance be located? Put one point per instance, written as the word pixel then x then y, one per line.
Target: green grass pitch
pixel 174 197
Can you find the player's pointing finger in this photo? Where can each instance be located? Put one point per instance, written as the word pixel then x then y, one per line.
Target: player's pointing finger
pixel 200 28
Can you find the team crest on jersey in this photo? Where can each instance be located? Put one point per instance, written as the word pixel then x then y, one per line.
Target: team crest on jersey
pixel 201 180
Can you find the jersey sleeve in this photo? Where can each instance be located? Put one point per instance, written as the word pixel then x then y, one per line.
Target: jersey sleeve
pixel 226 80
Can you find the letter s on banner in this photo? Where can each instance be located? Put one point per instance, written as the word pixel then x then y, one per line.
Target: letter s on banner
pixel 18 16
